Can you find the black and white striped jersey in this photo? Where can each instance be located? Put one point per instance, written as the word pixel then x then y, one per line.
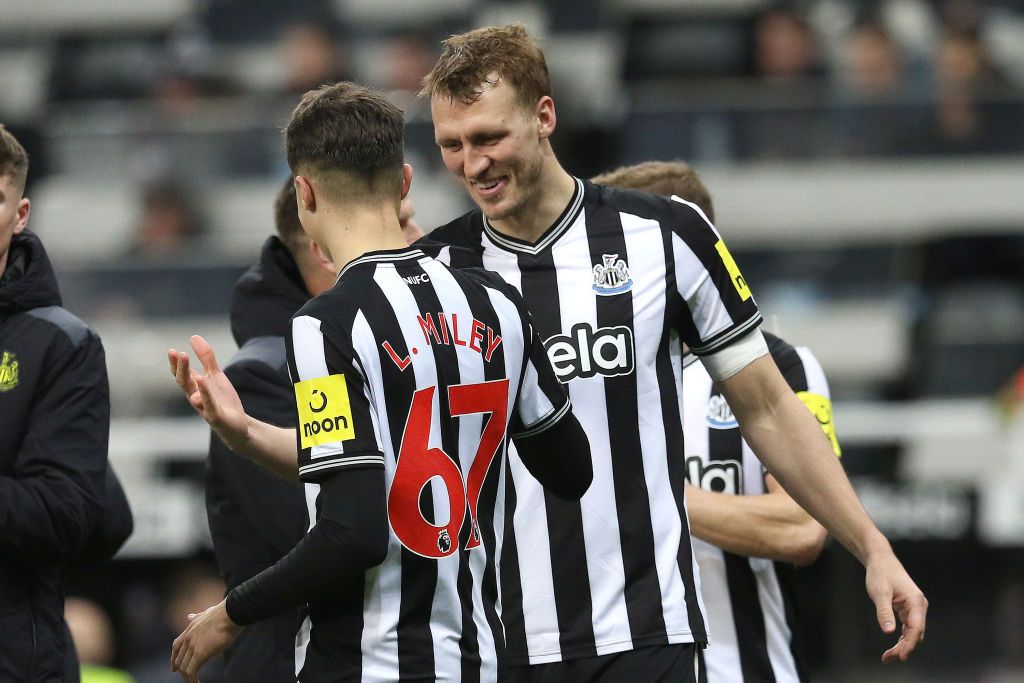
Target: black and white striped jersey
pixel 751 608
pixel 609 286
pixel 424 371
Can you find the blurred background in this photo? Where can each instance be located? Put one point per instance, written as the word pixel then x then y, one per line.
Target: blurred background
pixel 866 160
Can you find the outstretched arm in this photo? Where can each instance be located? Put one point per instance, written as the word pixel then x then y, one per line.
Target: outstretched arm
pixel 792 446
pixel 769 525
pixel 217 402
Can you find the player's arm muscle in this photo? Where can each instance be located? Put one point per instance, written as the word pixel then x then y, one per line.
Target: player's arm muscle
pixel 770 525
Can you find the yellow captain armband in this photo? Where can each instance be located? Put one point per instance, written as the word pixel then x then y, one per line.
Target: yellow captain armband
pixel 325 415
pixel 821 409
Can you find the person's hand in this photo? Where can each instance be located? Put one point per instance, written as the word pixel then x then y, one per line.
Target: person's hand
pixel 211 393
pixel 207 634
pixel 896 596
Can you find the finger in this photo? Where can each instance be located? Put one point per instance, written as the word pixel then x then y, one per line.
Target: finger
pixel 883 611
pixel 172 358
pixel 205 354
pixel 175 649
pixel 192 616
pixel 184 376
pixel 185 665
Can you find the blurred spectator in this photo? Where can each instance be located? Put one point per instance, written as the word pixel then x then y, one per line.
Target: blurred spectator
pixel 873 63
pixel 964 72
pixel 170 222
pixel 785 46
pixel 93 636
pixel 1008 626
pixel 312 56
pixel 409 58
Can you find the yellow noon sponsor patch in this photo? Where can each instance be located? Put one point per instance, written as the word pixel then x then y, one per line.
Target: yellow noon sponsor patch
pixel 734 271
pixel 325 415
pixel 821 408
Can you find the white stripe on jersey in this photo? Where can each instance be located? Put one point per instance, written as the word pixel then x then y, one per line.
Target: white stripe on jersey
pixel 646 256
pixel 383 586
pixel 600 515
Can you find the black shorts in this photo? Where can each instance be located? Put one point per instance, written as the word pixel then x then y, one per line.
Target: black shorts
pixel 664 663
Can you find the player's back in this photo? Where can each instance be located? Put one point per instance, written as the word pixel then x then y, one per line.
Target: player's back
pixel 412 366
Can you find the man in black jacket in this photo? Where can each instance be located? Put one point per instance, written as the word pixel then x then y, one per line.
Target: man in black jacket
pixel 54 424
pixel 256 517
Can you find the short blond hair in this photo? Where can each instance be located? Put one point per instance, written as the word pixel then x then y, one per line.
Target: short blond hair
pixel 469 61
pixel 662 177
pixel 13 159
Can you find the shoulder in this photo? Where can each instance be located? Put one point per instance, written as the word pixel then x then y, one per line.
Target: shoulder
pixel 672 213
pixel 267 352
pixel 63 323
pixel 464 231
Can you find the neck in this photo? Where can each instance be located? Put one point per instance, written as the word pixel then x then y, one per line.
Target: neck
pixel 349 234
pixel 554 190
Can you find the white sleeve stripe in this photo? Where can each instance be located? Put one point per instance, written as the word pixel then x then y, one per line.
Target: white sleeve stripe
pixel 342 462
pixel 733 358
pixel 308 344
pixel 725 339
pixel 547 422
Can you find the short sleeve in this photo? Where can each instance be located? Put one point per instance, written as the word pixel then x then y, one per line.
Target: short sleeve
pixel 543 400
pixel 716 302
pixel 337 420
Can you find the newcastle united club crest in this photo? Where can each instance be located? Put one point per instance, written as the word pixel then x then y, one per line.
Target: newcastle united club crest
pixel 611 277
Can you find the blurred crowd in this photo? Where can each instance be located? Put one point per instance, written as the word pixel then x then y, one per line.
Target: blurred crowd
pixel 202 98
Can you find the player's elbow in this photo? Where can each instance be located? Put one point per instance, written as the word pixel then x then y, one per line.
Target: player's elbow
pixel 804 543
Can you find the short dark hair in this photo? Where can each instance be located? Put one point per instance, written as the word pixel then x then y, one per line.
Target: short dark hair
pixel 470 60
pixel 286 216
pixel 662 177
pixel 13 159
pixel 346 132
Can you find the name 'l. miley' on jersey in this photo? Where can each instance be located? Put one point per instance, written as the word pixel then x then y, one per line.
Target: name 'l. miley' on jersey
pixel 425 372
pixel 752 610
pixel 609 285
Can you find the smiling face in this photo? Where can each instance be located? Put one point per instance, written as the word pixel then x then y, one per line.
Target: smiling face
pixel 495 146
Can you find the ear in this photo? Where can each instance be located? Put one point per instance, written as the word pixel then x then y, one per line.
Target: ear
pixel 321 258
pixel 406 179
pixel 305 194
pixel 546 117
pixel 24 210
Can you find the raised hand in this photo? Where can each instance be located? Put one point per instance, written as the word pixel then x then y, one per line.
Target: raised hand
pixel 210 393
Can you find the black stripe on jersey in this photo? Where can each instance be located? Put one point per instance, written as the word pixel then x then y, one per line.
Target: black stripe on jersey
pixel 570 578
pixel 632 501
pixel 786 575
pixel 789 362
pixel 419 574
pixel 675 446
pixel 751 637
pixel 494 370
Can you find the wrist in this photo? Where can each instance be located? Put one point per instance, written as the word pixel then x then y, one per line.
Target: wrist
pixel 874 546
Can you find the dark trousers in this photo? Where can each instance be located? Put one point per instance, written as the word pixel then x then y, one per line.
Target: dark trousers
pixel 666 663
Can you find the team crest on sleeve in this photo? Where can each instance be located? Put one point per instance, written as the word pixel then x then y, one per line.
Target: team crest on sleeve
pixel 325 414
pixel 8 371
pixel 611 276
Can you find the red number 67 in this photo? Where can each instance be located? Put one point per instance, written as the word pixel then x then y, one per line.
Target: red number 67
pixel 418 464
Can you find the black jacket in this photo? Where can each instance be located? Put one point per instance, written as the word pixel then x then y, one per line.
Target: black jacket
pixel 255 516
pixel 54 425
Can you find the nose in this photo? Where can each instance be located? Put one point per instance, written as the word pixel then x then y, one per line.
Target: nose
pixel 474 163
